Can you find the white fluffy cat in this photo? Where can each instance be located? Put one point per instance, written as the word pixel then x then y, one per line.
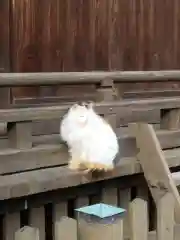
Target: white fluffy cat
pixel 92 143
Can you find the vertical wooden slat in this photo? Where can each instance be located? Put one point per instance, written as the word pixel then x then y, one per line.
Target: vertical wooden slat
pixel 81 202
pixel 27 233
pixel 11 223
pixel 66 228
pixel 20 135
pixel 124 201
pixel 165 217
pixel 138 218
pixel 60 210
pixel 110 196
pixel 106 92
pixel 95 199
pixel 142 192
pixel 170 119
pixel 37 220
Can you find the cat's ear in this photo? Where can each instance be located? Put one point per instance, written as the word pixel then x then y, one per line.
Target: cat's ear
pixel 73 107
pixel 90 105
pixel 83 104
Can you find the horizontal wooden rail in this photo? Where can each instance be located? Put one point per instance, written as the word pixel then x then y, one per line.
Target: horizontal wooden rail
pixel 22 79
pixel 43 154
pixel 28 183
pixel 114 107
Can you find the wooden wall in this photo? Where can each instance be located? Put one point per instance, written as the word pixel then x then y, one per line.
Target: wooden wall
pixel 82 35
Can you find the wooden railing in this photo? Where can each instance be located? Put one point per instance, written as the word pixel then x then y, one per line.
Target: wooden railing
pixel 29 79
pixel 33 167
pixel 79 229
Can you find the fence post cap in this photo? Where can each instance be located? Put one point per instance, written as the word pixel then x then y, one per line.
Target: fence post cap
pixel 101 210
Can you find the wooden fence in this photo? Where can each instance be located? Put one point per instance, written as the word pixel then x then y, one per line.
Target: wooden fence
pixel 76 229
pixel 37 188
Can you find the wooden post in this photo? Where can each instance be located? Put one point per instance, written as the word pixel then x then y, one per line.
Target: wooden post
pixel 138 216
pixel 106 91
pixel 110 196
pixel 20 135
pixel 66 228
pixel 59 211
pixel 27 233
pixel 170 119
pixel 37 220
pixel 81 202
pixel 165 217
pixel 125 199
pixel 94 231
pixel 11 223
pixel 93 227
pixel 153 163
pixel 142 192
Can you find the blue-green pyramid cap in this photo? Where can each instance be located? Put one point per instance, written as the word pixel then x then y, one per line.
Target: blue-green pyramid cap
pixel 101 210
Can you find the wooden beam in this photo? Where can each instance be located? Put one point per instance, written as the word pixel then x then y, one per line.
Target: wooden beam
pixel 20 135
pixel 16 160
pixel 22 79
pixel 114 107
pixel 49 151
pixel 37 181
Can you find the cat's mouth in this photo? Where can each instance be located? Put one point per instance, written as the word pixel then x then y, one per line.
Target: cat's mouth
pixel 82 121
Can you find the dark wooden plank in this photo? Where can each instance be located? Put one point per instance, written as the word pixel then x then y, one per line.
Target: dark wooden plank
pixel 33 182
pixel 4 48
pixel 120 107
pixel 4 40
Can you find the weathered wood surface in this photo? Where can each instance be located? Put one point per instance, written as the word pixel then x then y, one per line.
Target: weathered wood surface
pixel 150 93
pixel 51 126
pixel 28 233
pixel 15 160
pixel 20 135
pixel 53 78
pixel 155 168
pixel 121 107
pixel 37 181
pixel 165 217
pixel 48 151
pixel 138 218
pixel 65 228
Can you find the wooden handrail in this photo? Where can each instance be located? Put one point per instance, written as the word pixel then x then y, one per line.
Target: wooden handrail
pixel 114 107
pixel 53 78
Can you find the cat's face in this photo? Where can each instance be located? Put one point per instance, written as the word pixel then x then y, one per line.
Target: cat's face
pixel 79 113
